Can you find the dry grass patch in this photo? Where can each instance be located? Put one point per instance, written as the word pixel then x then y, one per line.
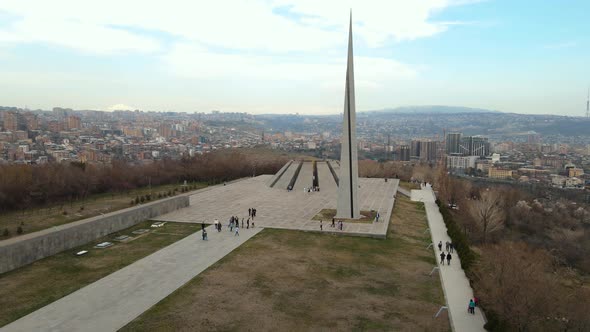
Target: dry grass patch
pixel 409 185
pixel 37 219
pixel 31 287
pixel 284 280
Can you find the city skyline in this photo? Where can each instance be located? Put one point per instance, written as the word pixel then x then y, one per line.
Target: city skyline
pixel 286 57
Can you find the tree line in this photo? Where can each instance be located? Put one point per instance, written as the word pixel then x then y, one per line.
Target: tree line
pixel 532 253
pixel 27 186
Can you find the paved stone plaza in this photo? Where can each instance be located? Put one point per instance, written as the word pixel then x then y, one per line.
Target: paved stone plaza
pixel 278 208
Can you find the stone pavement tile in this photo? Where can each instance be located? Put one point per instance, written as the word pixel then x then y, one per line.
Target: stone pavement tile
pixel 282 209
pixel 115 300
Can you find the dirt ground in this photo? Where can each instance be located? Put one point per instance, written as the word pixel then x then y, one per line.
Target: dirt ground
pixel 296 281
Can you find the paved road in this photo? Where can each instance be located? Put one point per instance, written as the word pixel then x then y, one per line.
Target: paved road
pixel 455 284
pixel 115 300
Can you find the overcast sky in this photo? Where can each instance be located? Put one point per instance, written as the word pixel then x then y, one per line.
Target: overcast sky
pixel 286 56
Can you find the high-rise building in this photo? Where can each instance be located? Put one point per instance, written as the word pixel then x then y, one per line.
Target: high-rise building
pixel 452 143
pixel 73 122
pixel 428 150
pixel 415 149
pixel 31 120
pixel 474 146
pixel 10 121
pixel 404 153
pixel 479 146
pixel 165 130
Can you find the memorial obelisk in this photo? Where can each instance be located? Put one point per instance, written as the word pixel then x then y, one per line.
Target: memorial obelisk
pixel 348 203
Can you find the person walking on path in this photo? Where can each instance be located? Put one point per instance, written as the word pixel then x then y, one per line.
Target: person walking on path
pixel 440 246
pixel 204 235
pixel 249 212
pixel 447 246
pixel 237 230
pixel 442 258
pixel 248 223
pixel 333 223
pixel 451 247
pixel 242 222
pixel 202 226
pixel 377 217
pixel 471 307
pixel 252 223
pixel 449 257
pixel 321 226
pixel 216 224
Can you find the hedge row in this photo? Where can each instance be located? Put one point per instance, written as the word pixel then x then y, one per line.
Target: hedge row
pixel 460 241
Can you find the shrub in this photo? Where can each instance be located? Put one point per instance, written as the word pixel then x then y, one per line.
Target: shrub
pixel 64 212
pixel 142 199
pixel 6 233
pixel 459 239
pixel 137 200
pixel 19 230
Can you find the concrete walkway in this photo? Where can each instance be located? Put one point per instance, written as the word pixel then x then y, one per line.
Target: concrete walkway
pixel 456 286
pixel 115 300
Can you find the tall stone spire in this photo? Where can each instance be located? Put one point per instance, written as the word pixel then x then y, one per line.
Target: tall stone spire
pixel 348 203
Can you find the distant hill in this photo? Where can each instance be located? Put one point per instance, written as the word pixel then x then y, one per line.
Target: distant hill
pixel 430 109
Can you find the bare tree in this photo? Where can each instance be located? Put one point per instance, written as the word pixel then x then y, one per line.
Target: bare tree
pixel 516 282
pixel 488 212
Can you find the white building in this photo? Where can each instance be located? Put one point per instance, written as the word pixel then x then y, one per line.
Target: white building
pixel 460 162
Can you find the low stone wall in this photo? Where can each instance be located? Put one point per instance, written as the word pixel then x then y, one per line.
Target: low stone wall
pixel 28 248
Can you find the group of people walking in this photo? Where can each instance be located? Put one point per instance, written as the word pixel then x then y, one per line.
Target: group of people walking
pixel 448 256
pixel 449 248
pixel 340 224
pixel 233 225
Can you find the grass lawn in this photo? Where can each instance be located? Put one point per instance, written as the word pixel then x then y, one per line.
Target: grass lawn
pixel 36 219
pixel 367 217
pixel 31 287
pixel 283 280
pixel 409 185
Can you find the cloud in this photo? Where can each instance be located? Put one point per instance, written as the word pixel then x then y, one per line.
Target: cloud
pixel 233 24
pixel 561 45
pixel 246 46
pixel 197 62
pixel 121 107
